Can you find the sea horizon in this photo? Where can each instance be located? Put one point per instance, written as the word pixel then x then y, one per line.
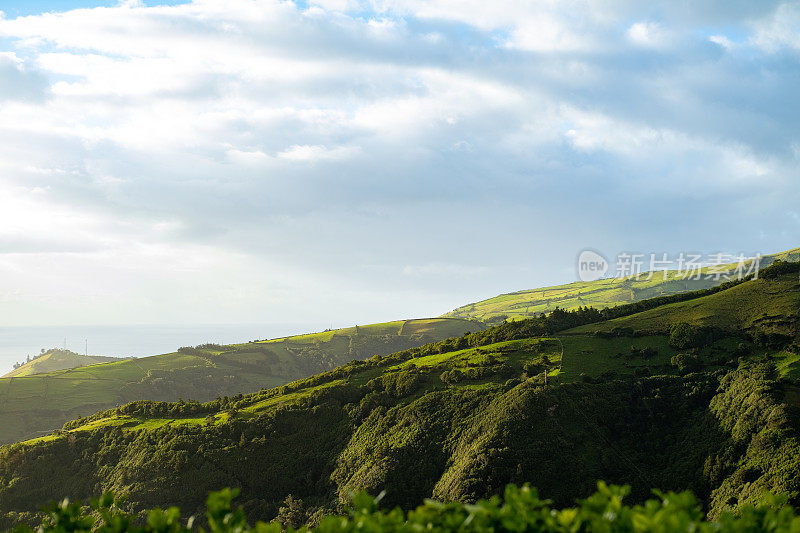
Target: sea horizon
pixel 133 340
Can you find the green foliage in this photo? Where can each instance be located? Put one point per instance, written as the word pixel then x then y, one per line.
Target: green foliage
pixel 685 362
pixel 520 510
pixel 292 513
pixel 683 335
pixel 392 423
pixel 455 420
pixel 646 352
pixel 780 268
pixel 772 340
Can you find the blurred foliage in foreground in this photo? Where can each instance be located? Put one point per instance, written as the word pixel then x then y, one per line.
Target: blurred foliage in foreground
pixel 520 510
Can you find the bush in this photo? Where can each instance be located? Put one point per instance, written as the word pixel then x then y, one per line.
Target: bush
pixel 646 353
pixel 617 331
pixel 779 268
pixel 685 362
pixel 683 335
pixel 771 340
pixel 533 369
pixel 519 510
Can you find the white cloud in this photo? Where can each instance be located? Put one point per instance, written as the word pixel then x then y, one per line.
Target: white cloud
pixel 692 165
pixel 721 40
pixel 544 26
pixel 254 139
pixel 648 34
pixel 17 80
pixel 779 29
pixel 316 152
pixel 336 5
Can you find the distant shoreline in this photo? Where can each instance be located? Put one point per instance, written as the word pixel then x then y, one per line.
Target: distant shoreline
pixel 17 342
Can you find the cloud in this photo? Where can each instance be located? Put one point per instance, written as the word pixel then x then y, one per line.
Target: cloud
pixel 779 30
pixel 648 34
pixel 18 81
pixel 317 152
pixel 721 40
pixel 332 153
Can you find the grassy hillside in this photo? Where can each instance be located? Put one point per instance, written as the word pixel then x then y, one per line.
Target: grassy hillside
pixel 36 404
pixel 599 294
pixel 526 401
pixel 56 359
pixel 769 305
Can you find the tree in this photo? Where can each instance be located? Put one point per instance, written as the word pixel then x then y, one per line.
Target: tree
pixel 685 363
pixel 683 335
pixel 292 513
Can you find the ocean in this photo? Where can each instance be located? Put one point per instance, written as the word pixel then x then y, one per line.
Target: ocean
pixel 140 340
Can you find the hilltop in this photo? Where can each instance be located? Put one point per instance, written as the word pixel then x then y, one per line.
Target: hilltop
pixel 559 401
pixel 599 294
pixel 33 403
pixel 56 359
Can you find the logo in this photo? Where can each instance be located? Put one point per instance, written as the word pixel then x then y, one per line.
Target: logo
pixel 591 266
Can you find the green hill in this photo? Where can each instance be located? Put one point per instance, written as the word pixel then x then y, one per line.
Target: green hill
pixel 769 305
pixel 37 403
pixel 56 359
pixel 35 399
pixel 599 294
pixel 534 401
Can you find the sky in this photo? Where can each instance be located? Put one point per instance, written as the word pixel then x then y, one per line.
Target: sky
pixel 345 161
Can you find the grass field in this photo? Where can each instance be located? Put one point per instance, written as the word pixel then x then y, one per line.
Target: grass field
pixel 593 356
pixel 599 294
pixel 770 305
pixel 56 359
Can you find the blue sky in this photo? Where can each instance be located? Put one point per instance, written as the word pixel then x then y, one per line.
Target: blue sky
pixel 36 7
pixel 345 161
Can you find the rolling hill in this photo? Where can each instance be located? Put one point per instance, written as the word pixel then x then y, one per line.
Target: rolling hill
pixel 37 398
pixel 55 359
pixel 558 401
pixel 598 294
pixel 767 305
pixel 36 403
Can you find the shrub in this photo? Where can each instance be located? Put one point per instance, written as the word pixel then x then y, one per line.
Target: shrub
pixel 771 340
pixel 685 362
pixel 779 268
pixel 533 369
pixel 519 510
pixel 645 353
pixel 683 335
